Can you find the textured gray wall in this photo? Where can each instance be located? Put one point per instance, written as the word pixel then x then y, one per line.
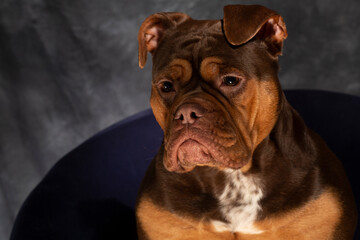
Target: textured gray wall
pixel 68 68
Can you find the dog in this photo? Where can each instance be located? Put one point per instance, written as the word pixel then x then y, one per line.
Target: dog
pixel 237 161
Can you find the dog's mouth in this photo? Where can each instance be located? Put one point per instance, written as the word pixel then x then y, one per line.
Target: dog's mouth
pixel 211 141
pixel 191 153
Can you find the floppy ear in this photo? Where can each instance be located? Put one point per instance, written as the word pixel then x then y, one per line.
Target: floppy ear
pixel 152 30
pixel 244 22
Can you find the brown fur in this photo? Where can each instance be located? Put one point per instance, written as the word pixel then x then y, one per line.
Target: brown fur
pixel 248 126
pixel 288 225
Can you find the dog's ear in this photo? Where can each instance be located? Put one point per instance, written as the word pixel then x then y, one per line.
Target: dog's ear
pixel 244 22
pixel 152 30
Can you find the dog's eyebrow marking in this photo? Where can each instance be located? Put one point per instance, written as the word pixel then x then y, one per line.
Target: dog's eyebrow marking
pixel 209 68
pixel 181 67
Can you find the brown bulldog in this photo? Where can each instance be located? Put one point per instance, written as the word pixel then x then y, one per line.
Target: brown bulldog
pixel 237 161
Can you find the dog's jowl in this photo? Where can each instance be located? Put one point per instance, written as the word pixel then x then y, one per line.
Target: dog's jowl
pixel 237 161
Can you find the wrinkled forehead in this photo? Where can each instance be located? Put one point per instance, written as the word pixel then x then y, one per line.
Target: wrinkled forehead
pixel 192 40
pixel 196 41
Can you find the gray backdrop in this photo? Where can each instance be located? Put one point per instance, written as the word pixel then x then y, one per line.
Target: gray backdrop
pixel 68 68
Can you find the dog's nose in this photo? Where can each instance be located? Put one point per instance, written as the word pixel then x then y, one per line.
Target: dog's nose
pixel 189 113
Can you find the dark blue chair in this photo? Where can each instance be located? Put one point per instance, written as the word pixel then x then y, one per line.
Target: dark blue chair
pixel 90 193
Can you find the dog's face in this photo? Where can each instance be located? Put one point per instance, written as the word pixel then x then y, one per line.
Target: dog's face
pixel 215 91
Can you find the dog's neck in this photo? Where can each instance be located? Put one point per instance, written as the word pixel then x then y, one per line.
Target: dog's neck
pixel 289 141
pixel 248 194
pixel 284 161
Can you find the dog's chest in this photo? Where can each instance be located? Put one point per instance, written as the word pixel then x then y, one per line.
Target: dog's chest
pixel 239 203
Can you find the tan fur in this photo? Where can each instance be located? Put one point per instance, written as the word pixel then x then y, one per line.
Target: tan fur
pixel 209 68
pixel 160 224
pixel 179 69
pixel 182 68
pixel 316 220
pixel 264 109
pixel 158 108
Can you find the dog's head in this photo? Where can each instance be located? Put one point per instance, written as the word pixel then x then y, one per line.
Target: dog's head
pixel 215 90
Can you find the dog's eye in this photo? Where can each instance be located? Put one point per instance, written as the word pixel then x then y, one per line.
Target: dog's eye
pixel 167 86
pixel 231 81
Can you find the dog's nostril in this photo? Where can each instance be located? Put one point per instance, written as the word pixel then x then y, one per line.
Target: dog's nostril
pixel 193 115
pixel 189 113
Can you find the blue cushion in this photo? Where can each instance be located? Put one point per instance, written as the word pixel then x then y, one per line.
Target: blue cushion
pixel 90 193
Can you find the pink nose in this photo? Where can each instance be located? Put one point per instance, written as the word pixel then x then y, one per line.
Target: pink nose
pixel 189 113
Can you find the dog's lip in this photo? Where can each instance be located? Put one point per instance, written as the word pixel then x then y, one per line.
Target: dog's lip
pixel 174 164
pixel 199 152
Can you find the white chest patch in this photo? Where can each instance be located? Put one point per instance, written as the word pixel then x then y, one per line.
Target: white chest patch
pixel 239 203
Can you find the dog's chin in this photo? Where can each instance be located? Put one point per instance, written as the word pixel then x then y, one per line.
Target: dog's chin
pixel 192 153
